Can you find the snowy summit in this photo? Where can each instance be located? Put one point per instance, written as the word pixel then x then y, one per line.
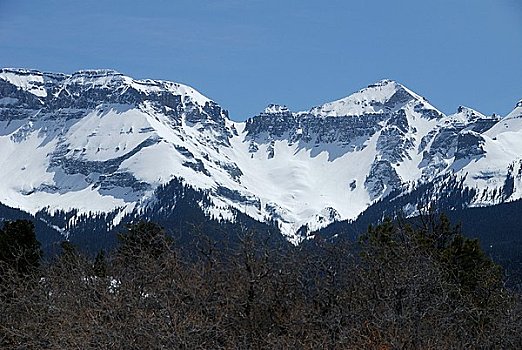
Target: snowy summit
pixel 100 141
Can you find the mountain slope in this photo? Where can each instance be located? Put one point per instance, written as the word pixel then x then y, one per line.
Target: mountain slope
pixel 101 142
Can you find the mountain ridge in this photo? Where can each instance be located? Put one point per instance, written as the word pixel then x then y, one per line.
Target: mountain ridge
pixel 99 141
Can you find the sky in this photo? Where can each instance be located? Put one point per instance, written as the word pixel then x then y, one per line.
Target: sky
pixel 245 54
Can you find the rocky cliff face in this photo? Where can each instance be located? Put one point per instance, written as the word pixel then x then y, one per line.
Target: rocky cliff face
pixel 99 141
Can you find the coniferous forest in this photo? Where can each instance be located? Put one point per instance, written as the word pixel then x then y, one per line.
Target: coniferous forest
pixel 399 286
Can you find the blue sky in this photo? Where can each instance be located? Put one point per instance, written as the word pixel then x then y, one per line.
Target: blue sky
pixel 246 54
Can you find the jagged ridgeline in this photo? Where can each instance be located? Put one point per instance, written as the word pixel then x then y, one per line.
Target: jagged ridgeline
pixel 89 151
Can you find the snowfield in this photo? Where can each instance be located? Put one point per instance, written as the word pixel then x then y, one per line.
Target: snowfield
pixel 98 141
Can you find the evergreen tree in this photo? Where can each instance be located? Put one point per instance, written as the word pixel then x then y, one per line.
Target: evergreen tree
pixel 69 250
pixel 100 265
pixel 19 248
pixel 144 239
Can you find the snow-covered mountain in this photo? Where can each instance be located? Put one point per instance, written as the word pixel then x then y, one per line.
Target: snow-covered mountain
pixel 99 141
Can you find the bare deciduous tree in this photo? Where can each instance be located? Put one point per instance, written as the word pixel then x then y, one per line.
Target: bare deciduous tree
pixel 398 288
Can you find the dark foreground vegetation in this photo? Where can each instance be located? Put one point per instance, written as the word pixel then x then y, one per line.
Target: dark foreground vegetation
pixel 398 287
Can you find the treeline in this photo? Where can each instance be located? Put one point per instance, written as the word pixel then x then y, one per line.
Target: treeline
pixel 398 287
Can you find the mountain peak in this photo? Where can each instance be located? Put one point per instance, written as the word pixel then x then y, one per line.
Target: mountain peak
pixel 467 110
pixel 276 109
pixel 384 82
pixel 372 99
pixel 519 104
pixel 466 115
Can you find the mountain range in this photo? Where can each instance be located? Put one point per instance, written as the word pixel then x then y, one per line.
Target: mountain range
pixel 97 143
